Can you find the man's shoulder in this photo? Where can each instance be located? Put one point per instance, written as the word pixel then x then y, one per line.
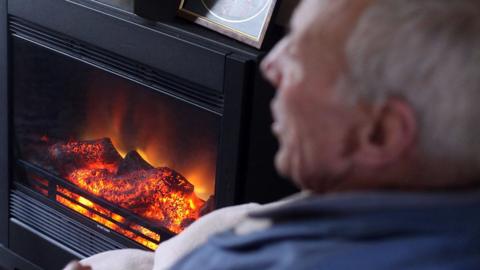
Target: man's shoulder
pixel 355 231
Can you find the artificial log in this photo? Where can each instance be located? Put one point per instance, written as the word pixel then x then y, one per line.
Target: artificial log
pixel 159 194
pixel 174 180
pixel 133 162
pixel 144 183
pixel 67 157
pixel 186 222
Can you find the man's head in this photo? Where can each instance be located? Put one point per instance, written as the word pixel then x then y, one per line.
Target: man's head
pixel 378 94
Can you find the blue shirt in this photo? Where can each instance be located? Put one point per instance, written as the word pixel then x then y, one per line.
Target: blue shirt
pixel 394 231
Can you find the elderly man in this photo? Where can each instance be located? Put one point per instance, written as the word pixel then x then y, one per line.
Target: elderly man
pixel 376 109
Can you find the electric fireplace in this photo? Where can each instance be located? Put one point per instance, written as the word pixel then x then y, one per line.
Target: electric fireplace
pixel 125 143
pixel 118 132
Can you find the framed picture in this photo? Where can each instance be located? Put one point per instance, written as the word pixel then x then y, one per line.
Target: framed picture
pixel 243 20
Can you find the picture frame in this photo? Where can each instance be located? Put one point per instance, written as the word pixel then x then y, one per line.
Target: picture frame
pixel 244 20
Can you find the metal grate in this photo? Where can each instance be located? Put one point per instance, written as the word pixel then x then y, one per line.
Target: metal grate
pixel 194 94
pixel 58 227
pixel 60 191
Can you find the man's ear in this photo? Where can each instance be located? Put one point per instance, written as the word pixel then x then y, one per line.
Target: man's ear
pixel 388 135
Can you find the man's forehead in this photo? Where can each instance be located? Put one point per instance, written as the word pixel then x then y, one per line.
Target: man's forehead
pixel 305 13
pixel 337 17
pixel 320 14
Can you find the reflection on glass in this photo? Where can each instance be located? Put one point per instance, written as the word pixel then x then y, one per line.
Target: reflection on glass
pixel 122 4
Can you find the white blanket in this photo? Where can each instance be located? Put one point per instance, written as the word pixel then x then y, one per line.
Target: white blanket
pixel 122 259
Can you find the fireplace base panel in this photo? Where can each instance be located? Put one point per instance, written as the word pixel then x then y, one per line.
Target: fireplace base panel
pixel 40 250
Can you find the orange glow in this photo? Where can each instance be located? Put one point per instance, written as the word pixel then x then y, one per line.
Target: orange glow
pixel 80 207
pixel 44 138
pixel 40 185
pixel 43 191
pixel 159 203
pixel 148 129
pixel 161 195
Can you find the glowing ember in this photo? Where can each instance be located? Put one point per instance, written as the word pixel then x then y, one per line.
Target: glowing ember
pixel 160 195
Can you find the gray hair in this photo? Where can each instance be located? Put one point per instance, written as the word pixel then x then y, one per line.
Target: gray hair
pixel 426 52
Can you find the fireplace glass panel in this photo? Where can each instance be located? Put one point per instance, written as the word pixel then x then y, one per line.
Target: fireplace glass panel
pixel 127 156
pixel 126 5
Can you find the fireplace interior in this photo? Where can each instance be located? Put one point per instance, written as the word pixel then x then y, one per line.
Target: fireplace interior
pixel 77 126
pixel 119 132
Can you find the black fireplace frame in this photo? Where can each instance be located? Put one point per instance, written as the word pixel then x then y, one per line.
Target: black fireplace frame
pixel 4 124
pixel 246 147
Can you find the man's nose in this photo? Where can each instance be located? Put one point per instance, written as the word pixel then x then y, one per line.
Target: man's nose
pixel 271 69
pixel 272 65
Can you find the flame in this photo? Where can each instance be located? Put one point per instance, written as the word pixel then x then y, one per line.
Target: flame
pixel 135 120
